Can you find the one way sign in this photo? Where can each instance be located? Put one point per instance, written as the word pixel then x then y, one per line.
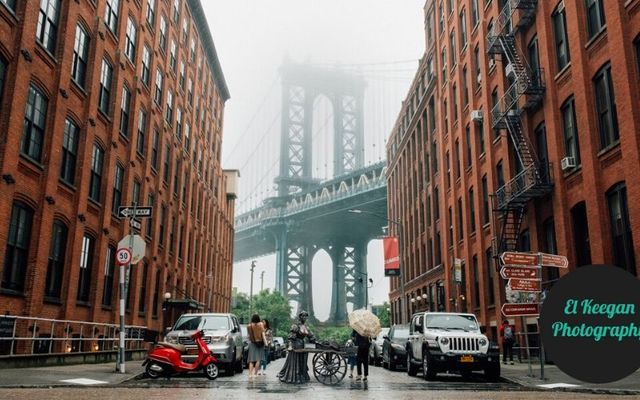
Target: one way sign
pixel 127 212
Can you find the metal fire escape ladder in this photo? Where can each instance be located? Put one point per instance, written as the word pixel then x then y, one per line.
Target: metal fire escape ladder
pixel 510 201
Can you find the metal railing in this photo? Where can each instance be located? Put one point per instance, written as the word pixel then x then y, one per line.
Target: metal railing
pixel 29 335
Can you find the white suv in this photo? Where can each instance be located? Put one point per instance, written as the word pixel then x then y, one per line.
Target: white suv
pixel 441 342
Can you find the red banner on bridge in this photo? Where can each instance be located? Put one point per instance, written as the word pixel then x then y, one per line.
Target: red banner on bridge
pixel 391 256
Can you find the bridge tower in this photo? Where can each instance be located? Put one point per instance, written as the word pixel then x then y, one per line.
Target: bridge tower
pixel 301 85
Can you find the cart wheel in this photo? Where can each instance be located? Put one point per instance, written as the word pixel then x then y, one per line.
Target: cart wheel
pixel 329 368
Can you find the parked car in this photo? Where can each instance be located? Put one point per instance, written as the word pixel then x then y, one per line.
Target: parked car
pixel 279 347
pixel 375 350
pixel 394 345
pixel 450 342
pixel 221 333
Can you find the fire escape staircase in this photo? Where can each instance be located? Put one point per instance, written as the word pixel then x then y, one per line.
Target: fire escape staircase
pixel 525 92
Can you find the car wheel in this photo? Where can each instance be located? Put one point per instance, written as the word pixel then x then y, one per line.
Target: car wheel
pixel 411 369
pixel 428 369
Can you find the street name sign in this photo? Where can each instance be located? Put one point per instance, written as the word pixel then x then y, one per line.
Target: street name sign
pixel 516 258
pixel 553 260
pixel 138 247
pixel 520 310
pixel 127 211
pixel 516 272
pixel 525 285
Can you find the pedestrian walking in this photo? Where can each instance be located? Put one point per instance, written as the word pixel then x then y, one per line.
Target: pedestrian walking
pixel 268 342
pixel 352 357
pixel 362 359
pixel 507 332
pixel 256 344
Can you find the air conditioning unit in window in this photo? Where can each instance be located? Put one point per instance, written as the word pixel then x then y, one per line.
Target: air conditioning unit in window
pixel 568 163
pixel 476 115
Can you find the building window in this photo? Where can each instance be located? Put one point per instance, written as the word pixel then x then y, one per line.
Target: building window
pixel 480 134
pixel 475 17
pixel 109 270
pixel 173 60
pixel 477 61
pixel 135 196
pixel 176 11
pixel 534 60
pixel 143 288
pixel 621 236
pixel 469 150
pixel 549 242
pixel 168 115
pixel 118 181
pixel 452 48
pixel 485 201
pixel 11 4
pixel 95 182
pixel 125 105
pixel 500 174
pixel 190 91
pixel 69 151
pixel 193 53
pixel 163 216
pixel 130 40
pixel 104 98
pixel 436 204
pixel 187 139
pixel 472 210
pixel 176 175
pixel 151 12
pixel 55 267
pixel 179 123
pixel 149 226
pixel 581 234
pixel 167 157
pixel 563 55
pixel 111 15
pixel 444 65
pixel 163 33
pixel 182 75
pixel 441 19
pixel 541 148
pixel 172 231
pixel 35 118
pixel 458 159
pixel 17 252
pixel 595 16
pixel 460 220
pixel 86 262
pixel 142 132
pixel 80 56
pixel 463 29
pixel 146 65
pixel 154 149
pixel 606 107
pixel 157 97
pixel 47 30
pixel 448 166
pixel 491 297
pixel 571 142
pixel 455 102
pixel 465 87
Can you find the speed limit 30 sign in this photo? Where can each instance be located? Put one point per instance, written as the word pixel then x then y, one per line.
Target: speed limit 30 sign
pixel 123 256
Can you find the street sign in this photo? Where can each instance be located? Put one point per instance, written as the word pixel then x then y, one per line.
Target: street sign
pixel 457 270
pixel 553 260
pixel 127 211
pixel 123 256
pixel 525 285
pixel 516 258
pixel 517 272
pixel 135 224
pixel 518 296
pixel 138 247
pixel 520 310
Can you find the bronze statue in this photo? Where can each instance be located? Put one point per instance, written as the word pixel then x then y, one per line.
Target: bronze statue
pixel 295 369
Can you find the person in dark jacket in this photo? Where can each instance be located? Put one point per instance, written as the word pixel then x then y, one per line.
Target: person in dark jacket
pixel 362 343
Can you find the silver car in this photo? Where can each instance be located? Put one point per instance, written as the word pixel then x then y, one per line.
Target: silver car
pixel 221 333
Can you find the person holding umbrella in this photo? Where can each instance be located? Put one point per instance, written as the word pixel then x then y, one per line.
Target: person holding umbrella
pixel 365 325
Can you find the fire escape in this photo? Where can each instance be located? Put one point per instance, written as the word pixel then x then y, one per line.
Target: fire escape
pixel 525 92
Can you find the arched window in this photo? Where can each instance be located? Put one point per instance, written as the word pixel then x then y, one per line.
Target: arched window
pixel 69 151
pixel 17 251
pixel 109 269
pixel 55 267
pixel 86 266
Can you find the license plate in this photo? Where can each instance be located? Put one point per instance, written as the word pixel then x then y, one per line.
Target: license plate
pixel 466 359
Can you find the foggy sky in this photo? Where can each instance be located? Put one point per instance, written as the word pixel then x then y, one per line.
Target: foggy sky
pixel 252 38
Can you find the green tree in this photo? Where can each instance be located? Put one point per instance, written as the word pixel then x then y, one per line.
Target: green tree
pixel 268 305
pixel 385 315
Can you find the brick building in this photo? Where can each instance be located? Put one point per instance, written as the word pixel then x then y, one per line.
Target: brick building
pixel 109 103
pixel 520 131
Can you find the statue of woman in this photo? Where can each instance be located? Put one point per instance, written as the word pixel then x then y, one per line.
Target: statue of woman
pixel 295 369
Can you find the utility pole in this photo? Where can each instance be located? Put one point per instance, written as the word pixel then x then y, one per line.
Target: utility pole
pixel 253 266
pixel 262 281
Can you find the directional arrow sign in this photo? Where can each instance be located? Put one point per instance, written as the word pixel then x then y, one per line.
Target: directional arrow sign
pixel 553 260
pixel 524 285
pixel 134 223
pixel 520 310
pixel 516 258
pixel 515 272
pixel 127 212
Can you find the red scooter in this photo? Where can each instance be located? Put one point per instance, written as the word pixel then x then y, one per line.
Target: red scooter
pixel 164 359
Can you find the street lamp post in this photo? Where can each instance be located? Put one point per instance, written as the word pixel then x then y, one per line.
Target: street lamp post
pixel 253 266
pixel 403 306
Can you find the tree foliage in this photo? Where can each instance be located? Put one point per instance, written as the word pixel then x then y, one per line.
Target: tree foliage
pixel 268 305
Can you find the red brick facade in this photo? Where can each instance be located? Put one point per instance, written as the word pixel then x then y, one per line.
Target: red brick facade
pixel 575 219
pixel 194 258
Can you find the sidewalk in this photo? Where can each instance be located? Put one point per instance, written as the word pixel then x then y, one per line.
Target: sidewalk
pixel 69 375
pixel 558 380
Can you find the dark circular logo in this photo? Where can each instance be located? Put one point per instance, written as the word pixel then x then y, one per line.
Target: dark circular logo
pixel 590 324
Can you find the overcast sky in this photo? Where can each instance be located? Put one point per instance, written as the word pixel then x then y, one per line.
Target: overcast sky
pixel 252 38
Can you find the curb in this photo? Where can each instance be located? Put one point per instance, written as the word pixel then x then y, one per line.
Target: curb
pixel 585 390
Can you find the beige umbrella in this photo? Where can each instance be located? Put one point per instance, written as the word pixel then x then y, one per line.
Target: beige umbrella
pixel 365 323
